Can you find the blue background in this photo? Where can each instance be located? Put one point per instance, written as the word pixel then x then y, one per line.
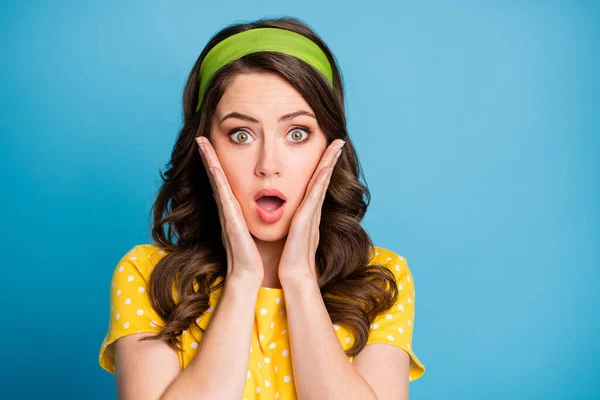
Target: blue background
pixel 477 126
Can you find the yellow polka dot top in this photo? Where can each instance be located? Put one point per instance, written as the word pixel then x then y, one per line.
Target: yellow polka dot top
pixel 270 369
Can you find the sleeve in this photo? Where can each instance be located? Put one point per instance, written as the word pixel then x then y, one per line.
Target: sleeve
pixel 396 325
pixel 130 308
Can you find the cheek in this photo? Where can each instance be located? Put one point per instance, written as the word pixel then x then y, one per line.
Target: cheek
pixel 303 171
pixel 235 175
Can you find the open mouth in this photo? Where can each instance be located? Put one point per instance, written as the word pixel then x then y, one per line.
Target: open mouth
pixel 270 203
pixel 270 209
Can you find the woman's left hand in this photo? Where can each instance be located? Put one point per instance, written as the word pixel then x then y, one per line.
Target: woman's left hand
pixel 298 257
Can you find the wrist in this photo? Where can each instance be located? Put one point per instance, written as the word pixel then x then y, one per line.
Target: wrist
pixel 245 283
pixel 297 279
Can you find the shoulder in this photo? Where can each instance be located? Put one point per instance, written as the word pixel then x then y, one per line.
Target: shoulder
pixel 140 259
pixel 390 259
pixel 395 325
pixel 131 309
pixel 396 263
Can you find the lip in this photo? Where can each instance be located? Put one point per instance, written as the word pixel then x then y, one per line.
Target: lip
pixel 269 192
pixel 270 216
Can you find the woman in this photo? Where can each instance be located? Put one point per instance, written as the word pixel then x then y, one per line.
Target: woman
pixel 257 231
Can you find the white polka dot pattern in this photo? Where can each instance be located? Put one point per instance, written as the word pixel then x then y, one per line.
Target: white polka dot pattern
pixel 270 373
pixel 130 310
pixel 395 326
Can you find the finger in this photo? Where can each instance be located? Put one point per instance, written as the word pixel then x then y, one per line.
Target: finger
pixel 213 161
pixel 205 162
pixel 311 199
pixel 218 203
pixel 212 164
pixel 231 208
pixel 320 197
pixel 210 175
pixel 226 197
pixel 211 171
pixel 322 190
pixel 328 159
pixel 314 188
pixel 325 186
pixel 221 200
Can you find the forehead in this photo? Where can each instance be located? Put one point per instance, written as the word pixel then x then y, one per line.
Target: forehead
pixel 260 92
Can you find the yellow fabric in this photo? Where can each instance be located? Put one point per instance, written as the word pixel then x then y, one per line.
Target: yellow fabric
pixel 270 368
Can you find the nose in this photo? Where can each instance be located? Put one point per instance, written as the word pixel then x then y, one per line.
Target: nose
pixel 269 160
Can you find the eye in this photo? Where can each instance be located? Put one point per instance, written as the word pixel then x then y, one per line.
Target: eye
pixel 243 136
pixel 295 135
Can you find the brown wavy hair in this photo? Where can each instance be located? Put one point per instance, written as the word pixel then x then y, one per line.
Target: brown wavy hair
pixel 185 217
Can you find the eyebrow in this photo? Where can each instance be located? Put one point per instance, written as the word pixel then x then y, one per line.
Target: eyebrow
pixel 283 117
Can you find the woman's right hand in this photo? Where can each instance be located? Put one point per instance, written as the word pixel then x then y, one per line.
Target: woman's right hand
pixel 243 258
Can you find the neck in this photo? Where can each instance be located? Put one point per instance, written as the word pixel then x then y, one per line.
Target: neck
pixel 270 252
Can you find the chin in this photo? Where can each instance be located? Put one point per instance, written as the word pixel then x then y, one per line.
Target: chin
pixel 268 233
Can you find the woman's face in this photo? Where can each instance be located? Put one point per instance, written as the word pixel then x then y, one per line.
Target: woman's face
pixel 258 149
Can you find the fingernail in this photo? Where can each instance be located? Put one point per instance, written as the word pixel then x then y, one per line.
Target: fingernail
pixel 339 150
pixel 200 144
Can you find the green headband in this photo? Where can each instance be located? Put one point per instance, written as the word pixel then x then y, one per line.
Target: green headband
pixel 261 39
